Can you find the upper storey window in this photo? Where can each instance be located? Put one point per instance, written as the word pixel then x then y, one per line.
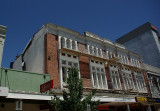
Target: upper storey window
pixel 62 42
pixel 67 43
pixel 73 45
pixel 99 79
pixel 95 51
pixel 114 74
pixel 127 79
pixel 140 81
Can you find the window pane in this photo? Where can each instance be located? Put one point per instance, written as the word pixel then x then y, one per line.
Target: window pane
pixel 99 80
pixel 64 62
pixel 75 65
pixel 70 63
pixel 95 79
pixel 64 74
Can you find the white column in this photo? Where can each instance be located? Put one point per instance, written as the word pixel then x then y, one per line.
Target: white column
pixel 59 42
pixel 101 53
pixel 76 45
pixel 97 52
pixel 70 43
pixel 92 49
pixel 107 55
pixel 88 49
pixel 110 55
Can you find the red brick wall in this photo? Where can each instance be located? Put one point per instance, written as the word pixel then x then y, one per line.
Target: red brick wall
pixel 82 47
pixel 121 80
pixel 145 80
pixel 134 81
pixel 108 76
pixel 85 71
pixel 51 59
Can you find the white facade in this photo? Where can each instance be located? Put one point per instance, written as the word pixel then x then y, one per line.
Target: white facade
pixel 2 40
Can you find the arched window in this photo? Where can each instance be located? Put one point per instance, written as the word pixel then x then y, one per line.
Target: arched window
pixel 62 42
pixel 68 43
pixel 73 45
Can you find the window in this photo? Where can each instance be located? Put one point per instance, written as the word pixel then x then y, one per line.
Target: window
pixel 140 81
pixel 73 45
pixel 98 77
pixel 127 79
pixel 68 43
pixel 115 79
pixel 62 42
pixel 65 67
pixel 99 52
pixel 95 51
pixel 90 49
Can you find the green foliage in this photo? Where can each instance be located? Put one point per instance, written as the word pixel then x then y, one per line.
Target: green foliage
pixel 73 99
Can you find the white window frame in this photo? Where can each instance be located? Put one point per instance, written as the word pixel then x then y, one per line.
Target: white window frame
pixel 67 59
pixel 127 79
pixel 140 83
pixel 98 76
pixel 114 72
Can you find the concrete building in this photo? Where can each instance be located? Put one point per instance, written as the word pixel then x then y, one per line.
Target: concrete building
pixel 115 72
pixel 145 41
pixel 2 40
pixel 153 74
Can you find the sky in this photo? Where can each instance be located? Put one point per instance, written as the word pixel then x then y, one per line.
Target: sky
pixel 107 18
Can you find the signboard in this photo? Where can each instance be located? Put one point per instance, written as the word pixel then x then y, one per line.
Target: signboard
pixel 157 100
pixel 46 86
pixel 102 107
pixel 4 91
pixel 141 99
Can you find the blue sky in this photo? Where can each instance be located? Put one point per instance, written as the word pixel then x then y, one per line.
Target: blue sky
pixel 106 18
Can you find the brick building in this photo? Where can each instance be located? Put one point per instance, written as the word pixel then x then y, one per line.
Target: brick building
pixel 115 72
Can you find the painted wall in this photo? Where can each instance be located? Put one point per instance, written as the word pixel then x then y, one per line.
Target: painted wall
pixel 18 63
pixel 34 55
pixel 21 81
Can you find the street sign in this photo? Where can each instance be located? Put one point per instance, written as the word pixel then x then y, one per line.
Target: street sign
pixel 46 86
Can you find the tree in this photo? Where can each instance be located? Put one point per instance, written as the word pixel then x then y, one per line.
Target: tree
pixel 73 99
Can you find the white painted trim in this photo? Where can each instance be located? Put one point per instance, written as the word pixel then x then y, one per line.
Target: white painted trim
pixel 48 97
pixel 28 96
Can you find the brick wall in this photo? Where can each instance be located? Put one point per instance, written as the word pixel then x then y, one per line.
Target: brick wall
pixel 51 59
pixel 85 71
pixel 145 80
pixel 108 77
pixel 82 47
